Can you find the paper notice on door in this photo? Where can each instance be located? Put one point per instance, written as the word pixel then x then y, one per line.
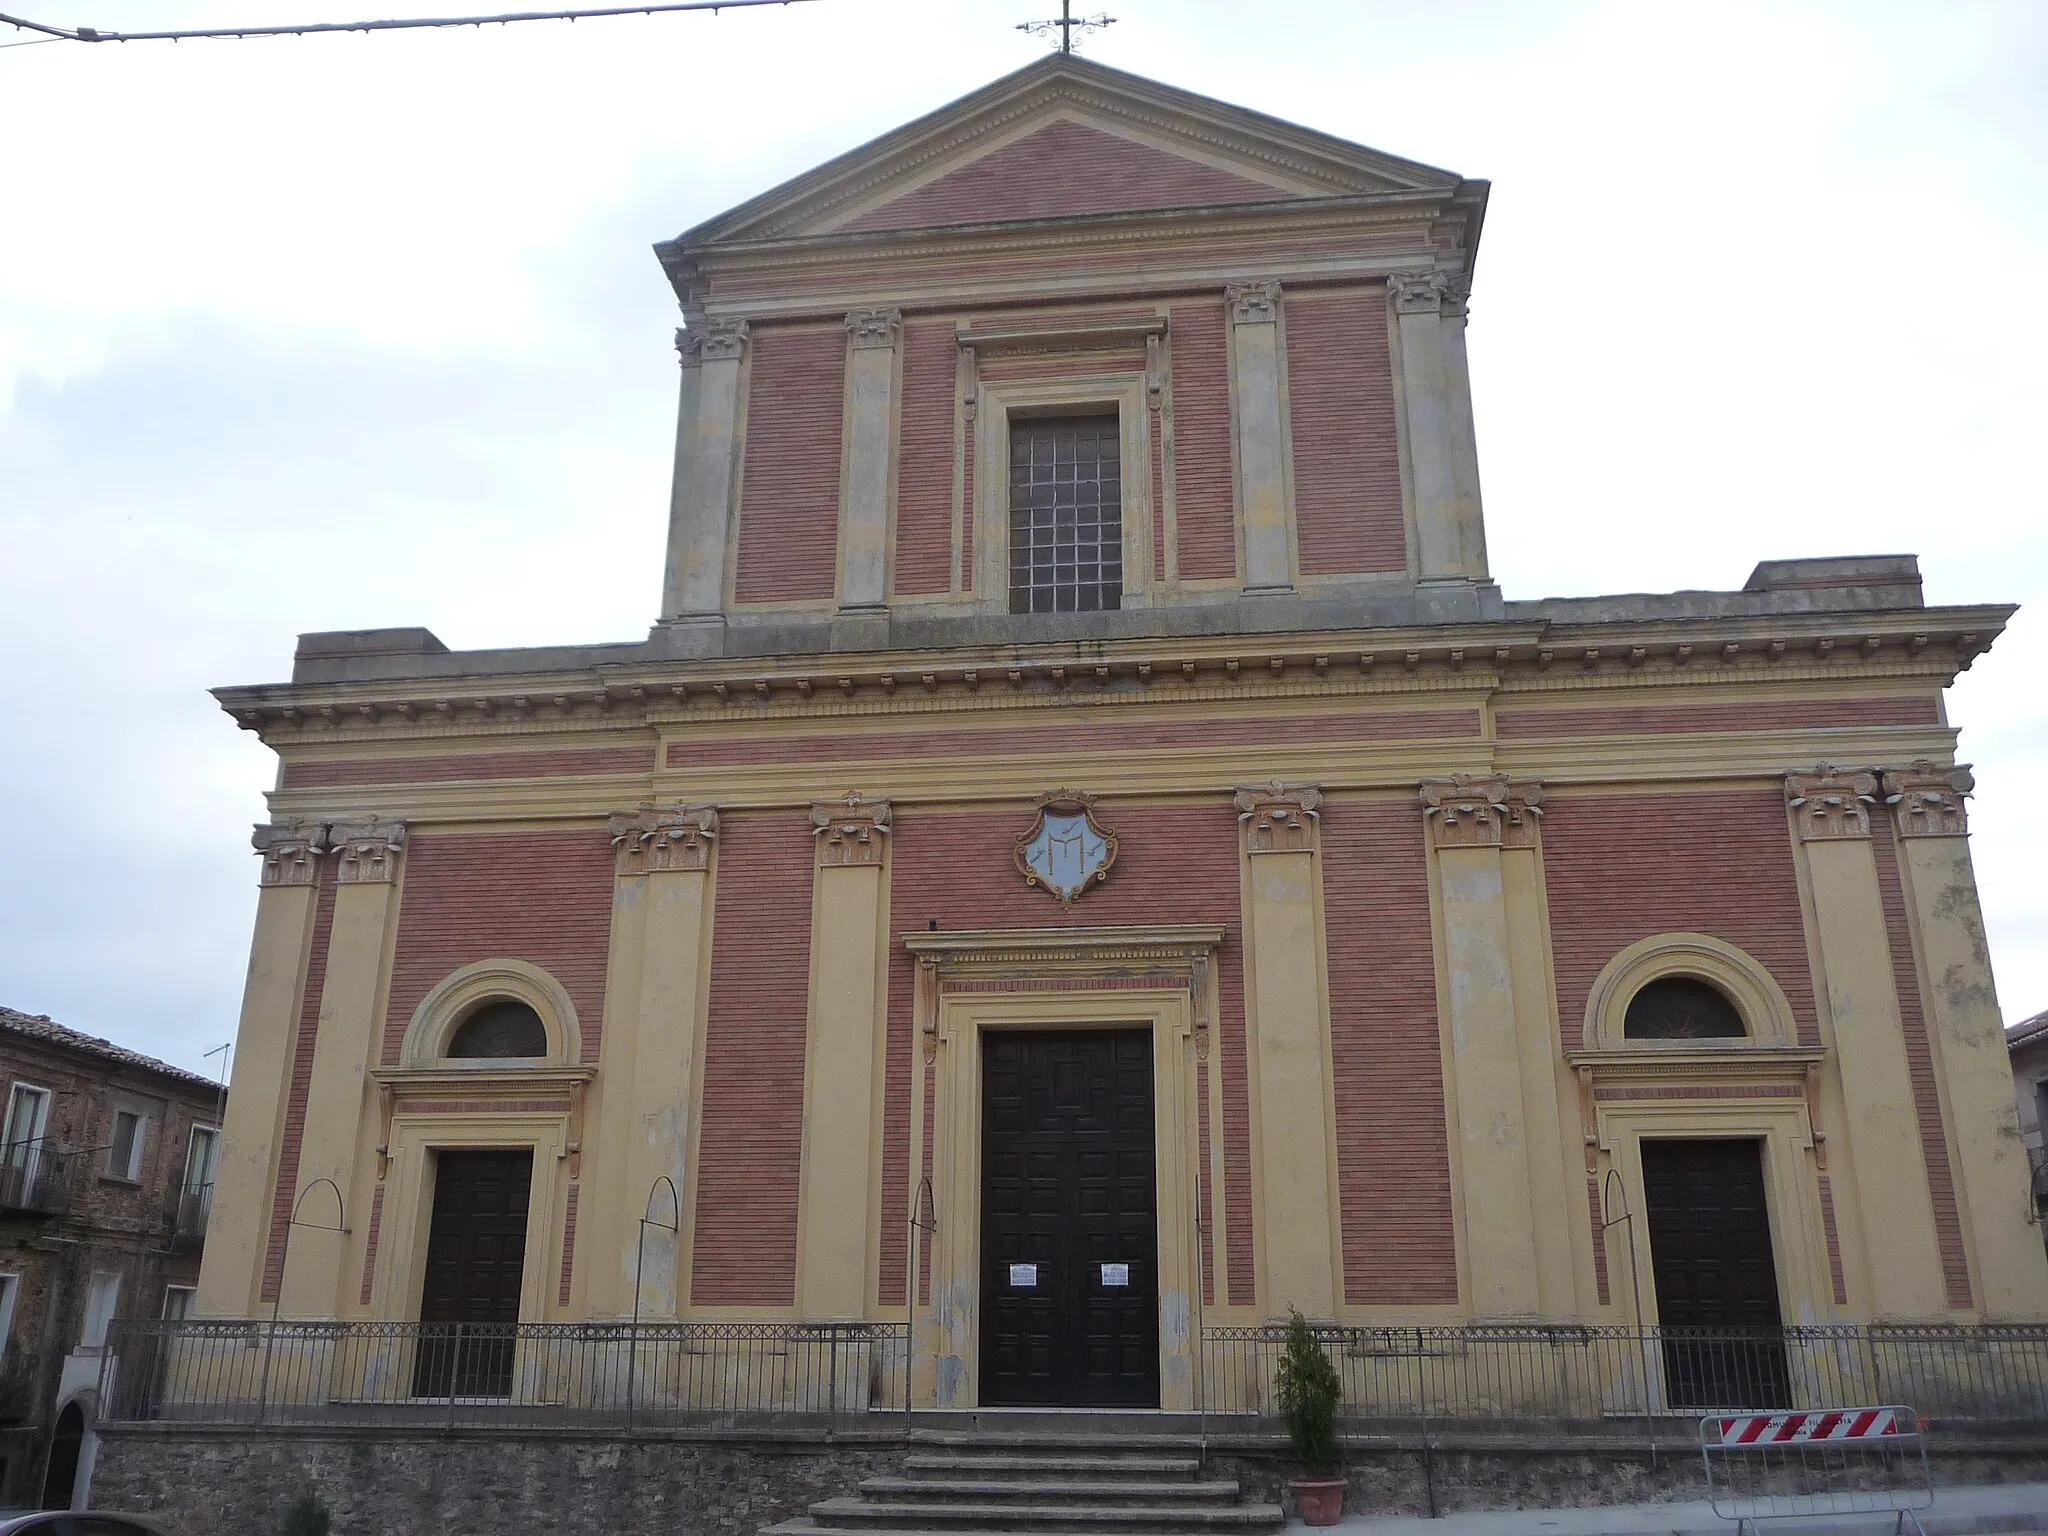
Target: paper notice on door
pixel 1023 1274
pixel 1116 1274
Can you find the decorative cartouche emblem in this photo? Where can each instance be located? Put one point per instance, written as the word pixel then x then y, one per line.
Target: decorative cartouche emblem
pixel 1067 849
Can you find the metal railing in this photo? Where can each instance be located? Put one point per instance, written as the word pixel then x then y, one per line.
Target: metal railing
pixel 1565 1380
pixel 188 1222
pixel 35 1176
pixel 617 1375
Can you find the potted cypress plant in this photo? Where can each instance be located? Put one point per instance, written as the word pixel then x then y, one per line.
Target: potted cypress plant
pixel 1309 1391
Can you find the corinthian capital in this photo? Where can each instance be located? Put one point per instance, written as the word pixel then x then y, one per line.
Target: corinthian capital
pixel 849 833
pixel 1252 303
pixel 1280 818
pixel 1927 798
pixel 710 340
pixel 291 851
pixel 1831 805
pixel 1418 293
pixel 1470 810
pixel 656 839
pixel 873 327
pixel 366 851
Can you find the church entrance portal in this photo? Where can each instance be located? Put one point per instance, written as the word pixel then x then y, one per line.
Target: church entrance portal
pixel 1069 1239
pixel 1710 1249
pixel 476 1256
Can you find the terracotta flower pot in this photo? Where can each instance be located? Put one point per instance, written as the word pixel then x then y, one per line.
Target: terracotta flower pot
pixel 1320 1499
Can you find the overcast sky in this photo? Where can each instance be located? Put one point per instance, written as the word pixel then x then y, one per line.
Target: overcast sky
pixel 339 332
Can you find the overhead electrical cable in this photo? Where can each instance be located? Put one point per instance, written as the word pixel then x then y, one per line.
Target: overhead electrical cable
pixel 401 24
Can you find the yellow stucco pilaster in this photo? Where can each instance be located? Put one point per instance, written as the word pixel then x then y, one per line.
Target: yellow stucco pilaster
pixel 231 1266
pixel 1830 811
pixel 1266 511
pixel 2008 1264
pixel 867 471
pixel 843 1057
pixel 1293 1156
pixel 701 517
pixel 1470 820
pixel 664 872
pixel 317 1277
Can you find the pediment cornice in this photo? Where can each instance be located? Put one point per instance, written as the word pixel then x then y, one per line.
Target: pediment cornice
pixel 1296 161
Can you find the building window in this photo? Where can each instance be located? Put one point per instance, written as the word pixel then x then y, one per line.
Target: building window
pixel 195 1197
pixel 124 1151
pixel 501 1030
pixel 1066 515
pixel 1681 1008
pixel 10 1289
pixel 22 1146
pixel 102 1295
pixel 178 1302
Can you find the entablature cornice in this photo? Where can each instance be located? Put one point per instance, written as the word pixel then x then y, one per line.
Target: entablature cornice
pixel 618 698
pixel 1734 1063
pixel 1139 947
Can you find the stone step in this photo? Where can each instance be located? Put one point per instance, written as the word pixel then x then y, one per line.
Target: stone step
pixel 1052 1490
pixel 1051 1442
pixel 804 1525
pixel 1124 1520
pixel 968 1463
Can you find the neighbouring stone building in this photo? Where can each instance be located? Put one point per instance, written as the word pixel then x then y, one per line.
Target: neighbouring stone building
pixel 2027 1045
pixel 1087 802
pixel 106 1178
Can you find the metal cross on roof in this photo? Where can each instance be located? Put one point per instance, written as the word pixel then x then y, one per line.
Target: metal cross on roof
pixel 1066 24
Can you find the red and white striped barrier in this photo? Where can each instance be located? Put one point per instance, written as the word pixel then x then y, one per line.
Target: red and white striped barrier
pixel 1789 1428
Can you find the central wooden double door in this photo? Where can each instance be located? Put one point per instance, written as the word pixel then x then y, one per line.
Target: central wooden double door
pixel 476 1258
pixel 1069 1221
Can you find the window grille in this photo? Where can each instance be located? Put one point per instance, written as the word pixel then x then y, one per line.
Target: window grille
pixel 1681 1008
pixel 1066 516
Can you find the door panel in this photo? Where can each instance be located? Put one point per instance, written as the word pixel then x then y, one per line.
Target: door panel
pixel 1070 1244
pixel 1717 1283
pixel 476 1259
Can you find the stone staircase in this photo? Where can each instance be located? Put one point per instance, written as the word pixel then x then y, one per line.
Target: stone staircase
pixel 1023 1482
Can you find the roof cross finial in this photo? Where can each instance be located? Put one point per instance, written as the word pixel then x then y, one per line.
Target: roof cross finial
pixel 1066 24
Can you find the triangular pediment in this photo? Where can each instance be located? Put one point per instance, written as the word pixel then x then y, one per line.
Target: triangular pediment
pixel 1066 138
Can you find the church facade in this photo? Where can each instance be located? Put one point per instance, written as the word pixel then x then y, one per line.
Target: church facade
pixel 1088 854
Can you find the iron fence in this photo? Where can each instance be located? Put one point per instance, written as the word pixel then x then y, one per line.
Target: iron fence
pixel 1562 1379
pixel 327 1375
pixel 1559 1381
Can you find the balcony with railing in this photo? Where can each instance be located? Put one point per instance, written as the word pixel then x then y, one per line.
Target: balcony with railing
pixel 188 1222
pixel 35 1178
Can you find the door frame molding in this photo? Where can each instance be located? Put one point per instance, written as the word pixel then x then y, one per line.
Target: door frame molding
pixel 1162 978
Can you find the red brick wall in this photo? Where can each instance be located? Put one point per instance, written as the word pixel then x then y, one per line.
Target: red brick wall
pixel 301 1081
pixel 1062 170
pixel 469 765
pixel 1113 735
pixel 1619 868
pixel 924 473
pixel 1347 464
pixel 1941 1184
pixel 1204 494
pixel 1393 1157
pixel 1178 865
pixel 751 1136
pixel 789 491
pixel 541 897
pixel 1746 715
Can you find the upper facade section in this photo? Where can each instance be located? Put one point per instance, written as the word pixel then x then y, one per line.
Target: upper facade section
pixel 1079 355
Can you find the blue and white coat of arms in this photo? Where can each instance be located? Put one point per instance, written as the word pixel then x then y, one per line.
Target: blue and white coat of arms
pixel 1067 850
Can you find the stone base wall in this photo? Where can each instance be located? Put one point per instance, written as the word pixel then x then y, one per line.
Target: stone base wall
pixel 475 1485
pixel 387 1483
